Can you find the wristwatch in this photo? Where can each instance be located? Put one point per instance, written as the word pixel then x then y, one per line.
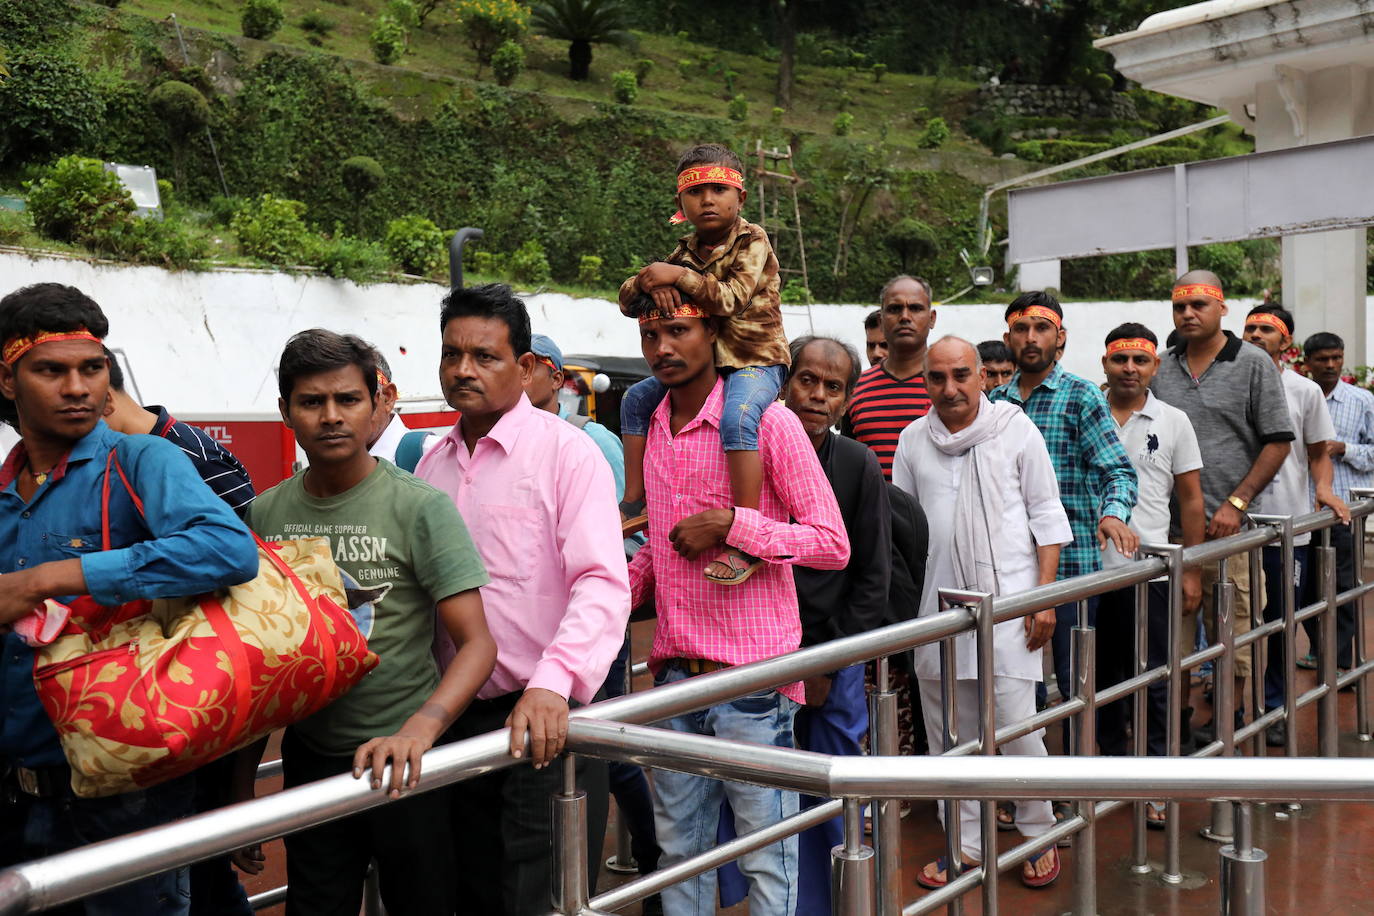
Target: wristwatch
pixel 1241 504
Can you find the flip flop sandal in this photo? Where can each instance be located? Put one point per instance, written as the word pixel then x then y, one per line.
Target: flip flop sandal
pixel 741 564
pixel 1062 812
pixel 941 865
pixel 1008 810
pixel 1049 877
pixel 1156 823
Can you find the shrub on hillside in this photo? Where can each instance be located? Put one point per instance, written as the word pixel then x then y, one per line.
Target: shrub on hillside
pixel 272 229
pixel 738 108
pixel 589 270
pixel 529 264
pixel 78 201
pixel 843 123
pixel 508 62
pixel 261 18
pixel 935 134
pixel 643 68
pixel 317 24
pixel 48 105
pixel 488 23
pixel 181 107
pixel 625 86
pixel 362 175
pixel 415 244
pixel 388 40
pixel 348 258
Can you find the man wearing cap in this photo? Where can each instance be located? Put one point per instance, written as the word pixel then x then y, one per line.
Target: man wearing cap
pixel 546 380
pixel 54 381
pixel 1302 481
pixel 1097 483
pixel 703 628
pixel 1234 398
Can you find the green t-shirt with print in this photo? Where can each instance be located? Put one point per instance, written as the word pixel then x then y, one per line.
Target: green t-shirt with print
pixel 401 547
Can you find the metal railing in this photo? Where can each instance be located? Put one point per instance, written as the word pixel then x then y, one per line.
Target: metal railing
pixel 867 880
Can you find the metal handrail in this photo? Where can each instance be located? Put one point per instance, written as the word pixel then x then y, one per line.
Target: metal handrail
pixel 69 876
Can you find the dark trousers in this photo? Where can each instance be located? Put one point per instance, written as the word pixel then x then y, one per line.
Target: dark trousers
pixel 215 887
pixel 1304 584
pixel 629 786
pixel 1116 653
pixel 1065 619
pixel 504 831
pixel 326 866
pixel 1344 541
pixel 32 828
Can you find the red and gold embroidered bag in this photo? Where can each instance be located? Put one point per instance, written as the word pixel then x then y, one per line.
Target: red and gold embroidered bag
pixel 150 690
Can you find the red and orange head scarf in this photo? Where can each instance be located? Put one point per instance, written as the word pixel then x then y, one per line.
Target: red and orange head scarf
pixel 695 175
pixel 1189 290
pixel 15 348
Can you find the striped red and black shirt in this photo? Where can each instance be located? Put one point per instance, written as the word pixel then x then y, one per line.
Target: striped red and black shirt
pixel 883 406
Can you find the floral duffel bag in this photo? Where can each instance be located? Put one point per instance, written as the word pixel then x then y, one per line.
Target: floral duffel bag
pixel 151 690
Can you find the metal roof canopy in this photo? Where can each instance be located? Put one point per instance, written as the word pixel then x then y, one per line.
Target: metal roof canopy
pixel 1312 188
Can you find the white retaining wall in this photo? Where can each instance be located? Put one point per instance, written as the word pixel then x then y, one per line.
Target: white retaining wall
pixel 207 342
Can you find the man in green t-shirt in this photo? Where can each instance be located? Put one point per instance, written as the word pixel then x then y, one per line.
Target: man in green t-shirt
pixel 405 557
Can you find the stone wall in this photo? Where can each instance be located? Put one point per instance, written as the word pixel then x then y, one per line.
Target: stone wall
pixel 1031 101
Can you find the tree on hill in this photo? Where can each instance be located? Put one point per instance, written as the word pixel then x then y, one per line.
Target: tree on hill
pixel 583 23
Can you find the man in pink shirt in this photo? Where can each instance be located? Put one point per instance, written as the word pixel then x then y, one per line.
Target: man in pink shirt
pixel 539 500
pixel 703 627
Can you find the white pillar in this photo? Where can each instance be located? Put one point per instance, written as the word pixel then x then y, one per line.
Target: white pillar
pixel 1324 274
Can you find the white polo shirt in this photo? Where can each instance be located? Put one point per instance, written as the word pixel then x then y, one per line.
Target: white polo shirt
pixel 1161 444
pixel 1289 493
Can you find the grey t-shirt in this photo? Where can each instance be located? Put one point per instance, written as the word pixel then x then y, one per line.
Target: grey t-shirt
pixel 1236 408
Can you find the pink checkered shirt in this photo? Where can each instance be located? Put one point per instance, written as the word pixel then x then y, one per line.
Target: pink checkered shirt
pixel 686 474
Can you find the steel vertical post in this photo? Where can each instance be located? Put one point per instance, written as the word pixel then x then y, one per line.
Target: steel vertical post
pixel 1257 656
pixel 882 740
pixel 1327 735
pixel 569 891
pixel 623 862
pixel 1085 745
pixel 950 711
pixel 1362 729
pixel 1290 642
pixel 1140 861
pixel 1242 870
pixel 1223 694
pixel 853 867
pixel 1173 554
pixel 987 737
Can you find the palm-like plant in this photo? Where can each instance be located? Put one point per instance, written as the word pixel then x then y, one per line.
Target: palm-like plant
pixel 582 23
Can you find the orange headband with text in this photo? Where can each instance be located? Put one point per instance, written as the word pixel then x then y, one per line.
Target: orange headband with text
pixel 382 380
pixel 1274 321
pixel 705 174
pixel 16 347
pixel 1188 290
pixel 1131 343
pixel 1035 311
pixel 685 310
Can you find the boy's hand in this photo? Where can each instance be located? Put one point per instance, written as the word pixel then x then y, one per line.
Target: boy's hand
pixel 398 749
pixel 666 298
pixel 659 273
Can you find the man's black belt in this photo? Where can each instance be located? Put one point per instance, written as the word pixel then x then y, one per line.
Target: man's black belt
pixel 41 782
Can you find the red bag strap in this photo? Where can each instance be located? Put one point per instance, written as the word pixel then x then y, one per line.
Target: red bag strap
pixel 328 657
pixel 112 462
pixel 241 680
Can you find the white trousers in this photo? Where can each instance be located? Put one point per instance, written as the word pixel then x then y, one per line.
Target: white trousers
pixel 1015 700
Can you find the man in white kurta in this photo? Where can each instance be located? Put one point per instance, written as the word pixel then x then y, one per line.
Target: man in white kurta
pixel 984 467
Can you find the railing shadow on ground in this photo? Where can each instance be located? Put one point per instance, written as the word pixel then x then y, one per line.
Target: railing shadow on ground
pixel 864 878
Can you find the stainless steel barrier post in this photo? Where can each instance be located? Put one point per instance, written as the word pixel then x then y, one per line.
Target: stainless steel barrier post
pixel 1257 656
pixel 987 737
pixel 1290 642
pixel 949 703
pixel 623 862
pixel 1140 854
pixel 1178 681
pixel 887 825
pixel 1220 830
pixel 1085 745
pixel 1327 736
pixel 852 885
pixel 1362 729
pixel 570 844
pixel 1242 870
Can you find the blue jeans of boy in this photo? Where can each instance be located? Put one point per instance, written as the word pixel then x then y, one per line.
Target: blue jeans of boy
pixel 748 392
pixel 687 808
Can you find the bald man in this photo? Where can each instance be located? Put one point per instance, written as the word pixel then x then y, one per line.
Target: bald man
pixel 1234 398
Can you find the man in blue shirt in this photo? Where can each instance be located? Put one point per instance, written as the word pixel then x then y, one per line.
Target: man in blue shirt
pixel 54 378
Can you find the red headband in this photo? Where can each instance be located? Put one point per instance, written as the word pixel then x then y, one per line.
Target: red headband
pixel 382 380
pixel 1035 311
pixel 1272 320
pixel 1131 343
pixel 16 347
pixel 1189 290
pixel 705 174
pixel 685 310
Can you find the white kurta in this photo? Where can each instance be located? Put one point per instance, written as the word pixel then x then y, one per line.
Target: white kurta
pixel 1033 515
pixel 389 440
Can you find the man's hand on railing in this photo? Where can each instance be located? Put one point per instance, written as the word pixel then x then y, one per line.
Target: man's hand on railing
pixel 543 715
pixel 1039 628
pixel 1192 590
pixel 1112 530
pixel 1327 499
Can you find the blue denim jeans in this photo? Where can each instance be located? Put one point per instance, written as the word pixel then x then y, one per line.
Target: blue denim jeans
pixel 45 826
pixel 687 808
pixel 748 392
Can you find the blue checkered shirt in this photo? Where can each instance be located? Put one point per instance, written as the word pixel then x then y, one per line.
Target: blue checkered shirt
pixel 1096 477
pixel 1352 413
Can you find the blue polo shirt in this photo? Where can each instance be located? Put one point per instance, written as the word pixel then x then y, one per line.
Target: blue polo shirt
pixel 188 541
